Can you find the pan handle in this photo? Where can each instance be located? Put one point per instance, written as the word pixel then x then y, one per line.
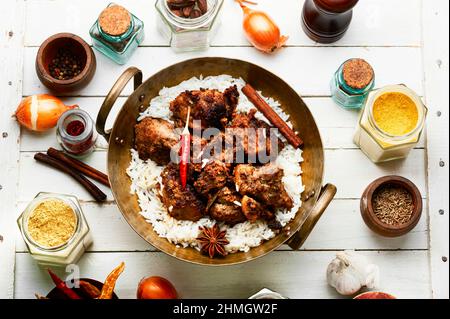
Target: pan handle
pixel 326 196
pixel 112 96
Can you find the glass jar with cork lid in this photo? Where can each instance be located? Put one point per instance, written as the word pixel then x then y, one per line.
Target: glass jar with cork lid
pixel 54 229
pixel 189 25
pixel 391 123
pixel 117 33
pixel 352 83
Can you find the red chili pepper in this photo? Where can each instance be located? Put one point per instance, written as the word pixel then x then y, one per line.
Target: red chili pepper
pixel 61 286
pixel 185 151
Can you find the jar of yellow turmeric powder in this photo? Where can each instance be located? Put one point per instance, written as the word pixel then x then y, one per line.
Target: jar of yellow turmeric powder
pixel 54 229
pixel 390 123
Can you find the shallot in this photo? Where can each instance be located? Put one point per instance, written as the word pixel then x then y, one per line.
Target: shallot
pixel 41 112
pixel 260 30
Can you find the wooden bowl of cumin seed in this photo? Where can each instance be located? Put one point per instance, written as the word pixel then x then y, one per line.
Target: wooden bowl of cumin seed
pixel 391 206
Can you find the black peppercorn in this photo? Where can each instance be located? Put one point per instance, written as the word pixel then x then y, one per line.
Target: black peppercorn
pixel 65 65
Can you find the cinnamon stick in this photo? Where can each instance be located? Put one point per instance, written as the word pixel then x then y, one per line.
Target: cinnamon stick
pixel 79 166
pixel 272 116
pixel 87 184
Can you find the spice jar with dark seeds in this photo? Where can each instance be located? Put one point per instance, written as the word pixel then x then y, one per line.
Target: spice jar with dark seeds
pixel 391 206
pixel 117 33
pixel 352 83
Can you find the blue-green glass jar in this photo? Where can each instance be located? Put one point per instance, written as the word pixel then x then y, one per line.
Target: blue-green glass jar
pixel 351 83
pixel 118 48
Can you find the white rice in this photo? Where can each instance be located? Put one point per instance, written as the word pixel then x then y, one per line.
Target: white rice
pixel 145 176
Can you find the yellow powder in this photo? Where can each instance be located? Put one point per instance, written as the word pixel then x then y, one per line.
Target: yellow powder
pixel 52 223
pixel 395 113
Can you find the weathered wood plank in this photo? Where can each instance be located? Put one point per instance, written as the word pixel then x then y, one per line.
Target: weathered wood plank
pixel 340 227
pixel 335 124
pixel 11 42
pixel 293 274
pixel 294 65
pixel 340 165
pixel 375 22
pixel 436 66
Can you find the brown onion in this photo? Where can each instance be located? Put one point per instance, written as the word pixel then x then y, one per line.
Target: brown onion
pixel 260 30
pixel 156 288
pixel 41 112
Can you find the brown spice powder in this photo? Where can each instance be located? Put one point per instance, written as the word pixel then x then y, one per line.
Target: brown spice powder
pixel 357 73
pixel 52 223
pixel 115 20
pixel 393 205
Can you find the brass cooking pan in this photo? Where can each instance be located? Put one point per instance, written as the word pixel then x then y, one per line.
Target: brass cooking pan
pixel 316 197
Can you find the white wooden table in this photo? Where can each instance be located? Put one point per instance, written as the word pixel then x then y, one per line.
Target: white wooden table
pixel 405 40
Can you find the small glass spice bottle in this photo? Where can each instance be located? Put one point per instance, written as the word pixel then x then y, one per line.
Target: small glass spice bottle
pixel 352 82
pixel 191 33
pixel 117 33
pixel 75 133
pixel 70 251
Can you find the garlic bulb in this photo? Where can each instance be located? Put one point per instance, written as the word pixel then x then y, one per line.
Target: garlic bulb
pixel 349 272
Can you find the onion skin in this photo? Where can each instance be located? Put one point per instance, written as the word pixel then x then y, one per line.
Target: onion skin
pixel 261 31
pixel 156 288
pixel 40 112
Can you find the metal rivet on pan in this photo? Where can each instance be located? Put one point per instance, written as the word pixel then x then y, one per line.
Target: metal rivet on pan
pixel 312 193
pixel 441 163
pixel 306 198
pixel 142 98
pixel 117 139
pixel 444 259
pixel 4 134
pixel 142 108
pixel 288 233
pixel 441 212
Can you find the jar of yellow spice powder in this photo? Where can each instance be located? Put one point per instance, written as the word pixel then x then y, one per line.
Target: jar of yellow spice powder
pixel 390 124
pixel 54 229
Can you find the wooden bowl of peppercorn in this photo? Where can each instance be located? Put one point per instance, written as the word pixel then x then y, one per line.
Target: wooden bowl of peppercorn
pixel 65 63
pixel 391 206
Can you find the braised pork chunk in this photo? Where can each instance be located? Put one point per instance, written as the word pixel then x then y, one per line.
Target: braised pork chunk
pixel 155 139
pixel 182 204
pixel 211 107
pixel 226 207
pixel 263 183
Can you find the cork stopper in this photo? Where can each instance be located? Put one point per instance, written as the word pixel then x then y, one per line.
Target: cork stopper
pixel 115 20
pixel 357 73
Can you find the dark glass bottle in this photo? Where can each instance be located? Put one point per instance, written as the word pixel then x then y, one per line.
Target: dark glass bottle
pixel 326 21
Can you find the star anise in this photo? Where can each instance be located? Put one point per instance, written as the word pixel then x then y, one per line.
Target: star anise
pixel 213 241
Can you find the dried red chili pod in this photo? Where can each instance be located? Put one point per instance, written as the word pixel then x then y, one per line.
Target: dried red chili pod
pixel 185 151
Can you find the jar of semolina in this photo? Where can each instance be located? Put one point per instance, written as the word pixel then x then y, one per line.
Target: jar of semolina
pixel 54 229
pixel 390 124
